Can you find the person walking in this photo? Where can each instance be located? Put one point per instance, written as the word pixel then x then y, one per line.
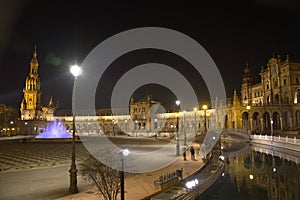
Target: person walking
pixel 184 153
pixel 192 150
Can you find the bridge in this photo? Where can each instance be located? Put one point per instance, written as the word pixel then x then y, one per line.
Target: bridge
pixel 235 135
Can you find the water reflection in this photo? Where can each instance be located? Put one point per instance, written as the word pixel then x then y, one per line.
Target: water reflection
pixel 251 173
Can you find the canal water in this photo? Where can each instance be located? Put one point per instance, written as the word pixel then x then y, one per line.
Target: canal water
pixel 256 172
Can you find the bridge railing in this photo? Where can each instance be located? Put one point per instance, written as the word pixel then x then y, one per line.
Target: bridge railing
pixel 286 139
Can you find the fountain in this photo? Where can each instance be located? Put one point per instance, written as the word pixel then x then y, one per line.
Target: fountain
pixel 54 130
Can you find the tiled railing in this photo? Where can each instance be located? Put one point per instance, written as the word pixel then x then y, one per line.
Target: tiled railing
pixel 289 140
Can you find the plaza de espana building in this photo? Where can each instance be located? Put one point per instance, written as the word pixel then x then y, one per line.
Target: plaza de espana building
pixel 273 101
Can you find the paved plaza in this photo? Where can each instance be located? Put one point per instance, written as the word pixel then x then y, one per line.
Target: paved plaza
pixel 142 185
pixel 15 155
pixel 34 170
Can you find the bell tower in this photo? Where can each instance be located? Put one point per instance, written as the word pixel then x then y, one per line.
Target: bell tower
pixel 246 86
pixel 31 103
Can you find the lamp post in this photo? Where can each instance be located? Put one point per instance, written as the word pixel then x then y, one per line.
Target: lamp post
pixel 135 126
pixel 204 107
pixel 184 132
pixel 11 125
pixel 124 153
pixel 76 71
pixel 177 131
pixel 195 110
pixel 26 123
pixel 272 131
pixel 114 124
pixel 248 125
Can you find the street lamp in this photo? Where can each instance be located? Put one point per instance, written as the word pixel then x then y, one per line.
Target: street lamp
pixel 177 133
pixel 124 153
pixel 135 127
pixel 251 177
pixel 114 124
pixel 75 71
pixel 184 132
pixel 248 125
pixel 26 123
pixel 204 107
pixel 11 125
pixel 195 110
pixel 272 131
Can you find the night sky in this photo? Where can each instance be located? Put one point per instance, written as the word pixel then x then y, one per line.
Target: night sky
pixel 65 32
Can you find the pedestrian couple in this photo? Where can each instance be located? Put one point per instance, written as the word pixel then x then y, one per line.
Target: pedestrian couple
pixel 192 151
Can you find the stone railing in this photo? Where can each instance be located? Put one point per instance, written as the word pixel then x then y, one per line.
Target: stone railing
pixel 284 142
pixel 285 139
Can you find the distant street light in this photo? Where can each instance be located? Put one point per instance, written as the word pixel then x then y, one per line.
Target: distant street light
pixel 75 71
pixel 114 124
pixel 248 125
pixel 177 130
pixel 272 130
pixel 135 127
pixel 195 124
pixel 251 177
pixel 11 127
pixel 124 153
pixel 204 107
pixel 26 123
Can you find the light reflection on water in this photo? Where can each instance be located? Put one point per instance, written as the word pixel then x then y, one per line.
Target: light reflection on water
pixel 252 174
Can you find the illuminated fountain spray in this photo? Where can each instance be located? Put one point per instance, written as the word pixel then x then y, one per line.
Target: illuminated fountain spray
pixel 55 130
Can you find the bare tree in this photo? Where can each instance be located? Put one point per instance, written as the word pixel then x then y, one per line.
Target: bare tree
pixel 106 179
pixel 7 114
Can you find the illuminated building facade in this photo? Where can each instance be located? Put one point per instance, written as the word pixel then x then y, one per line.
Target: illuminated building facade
pixel 272 102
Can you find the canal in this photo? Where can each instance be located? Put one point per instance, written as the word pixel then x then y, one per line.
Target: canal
pixel 257 172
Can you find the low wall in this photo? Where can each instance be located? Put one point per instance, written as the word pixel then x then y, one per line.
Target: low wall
pixel 282 142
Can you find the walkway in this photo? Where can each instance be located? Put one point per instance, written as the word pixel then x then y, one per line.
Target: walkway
pixel 142 185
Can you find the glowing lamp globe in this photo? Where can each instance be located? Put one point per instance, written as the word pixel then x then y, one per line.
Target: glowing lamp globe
pixel 125 152
pixel 75 70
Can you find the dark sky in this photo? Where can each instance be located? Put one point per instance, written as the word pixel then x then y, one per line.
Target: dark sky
pixel 66 31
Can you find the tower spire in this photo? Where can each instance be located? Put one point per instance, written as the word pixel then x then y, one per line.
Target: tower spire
pixel 34 62
pixel 30 106
pixel 34 52
pixel 247 77
pixel 50 104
